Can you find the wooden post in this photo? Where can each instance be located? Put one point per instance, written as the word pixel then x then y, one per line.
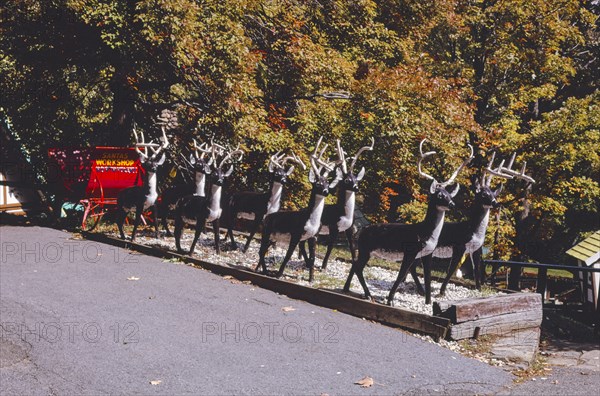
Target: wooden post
pixel 597 329
pixel 514 278
pixel 542 281
pixel 583 278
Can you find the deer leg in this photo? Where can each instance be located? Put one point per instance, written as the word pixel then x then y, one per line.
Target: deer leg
pixel 155 214
pixel 333 234
pixel 415 276
pixel 253 230
pixel 121 215
pixel 457 253
pixel 138 216
pixel 288 256
pixel 427 277
pixel 164 223
pixel 230 222
pixel 302 251
pixel 216 228
pixel 265 243
pixel 198 231
pixel 478 268
pixel 312 242
pixel 467 269
pixel 350 238
pixel 178 231
pixel 407 262
pixel 357 268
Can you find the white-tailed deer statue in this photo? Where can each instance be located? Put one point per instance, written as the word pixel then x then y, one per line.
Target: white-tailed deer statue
pixel 197 210
pixel 291 227
pixel 252 205
pixel 407 242
pixel 140 198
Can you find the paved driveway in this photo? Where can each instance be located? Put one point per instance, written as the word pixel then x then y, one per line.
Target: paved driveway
pixel 79 317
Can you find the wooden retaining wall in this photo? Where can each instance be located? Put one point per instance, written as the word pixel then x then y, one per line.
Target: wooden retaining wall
pixel 513 319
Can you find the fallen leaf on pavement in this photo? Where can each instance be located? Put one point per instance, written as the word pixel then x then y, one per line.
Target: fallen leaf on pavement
pixel 366 382
pixel 156 382
pixel 288 309
pixel 133 278
pixel 228 277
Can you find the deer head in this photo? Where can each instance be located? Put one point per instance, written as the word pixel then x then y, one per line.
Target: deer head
pixel 347 176
pixel 277 166
pixel 201 159
pixel 229 157
pixel 484 196
pixel 151 162
pixel 439 196
pixel 319 171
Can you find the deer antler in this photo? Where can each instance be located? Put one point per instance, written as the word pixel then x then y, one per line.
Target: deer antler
pixel 486 181
pixel 139 143
pixel 370 148
pixel 457 171
pixel 229 157
pixel 423 156
pixel 519 175
pixel 317 162
pixel 203 149
pixel 162 146
pixel 293 157
pixel 341 157
pixel 274 161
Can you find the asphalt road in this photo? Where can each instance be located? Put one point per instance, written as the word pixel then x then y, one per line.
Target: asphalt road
pixel 78 317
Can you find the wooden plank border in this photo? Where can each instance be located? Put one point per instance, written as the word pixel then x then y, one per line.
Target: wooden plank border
pixel 435 326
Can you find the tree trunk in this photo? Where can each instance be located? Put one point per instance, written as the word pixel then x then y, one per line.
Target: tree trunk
pixel 522 238
pixel 123 109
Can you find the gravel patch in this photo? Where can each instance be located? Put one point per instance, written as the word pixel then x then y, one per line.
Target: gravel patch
pixel 379 280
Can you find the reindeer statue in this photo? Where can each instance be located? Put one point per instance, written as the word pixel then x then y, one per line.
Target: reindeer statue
pixel 518 175
pixel 340 216
pixel 197 210
pixel 255 206
pixel 468 236
pixel 292 227
pixel 142 197
pixel 407 242
pixel 201 166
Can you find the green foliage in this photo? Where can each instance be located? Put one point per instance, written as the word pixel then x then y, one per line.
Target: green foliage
pixel 507 75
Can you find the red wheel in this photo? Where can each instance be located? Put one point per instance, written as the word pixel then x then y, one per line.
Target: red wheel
pixel 92 214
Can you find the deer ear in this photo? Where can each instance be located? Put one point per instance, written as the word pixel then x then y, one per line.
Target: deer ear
pixel 271 167
pixel 229 171
pixel 162 160
pixel 207 169
pixel 311 176
pixel 433 186
pixel 289 172
pixel 498 190
pixel 361 174
pixel 339 174
pixel 455 191
pixel 192 159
